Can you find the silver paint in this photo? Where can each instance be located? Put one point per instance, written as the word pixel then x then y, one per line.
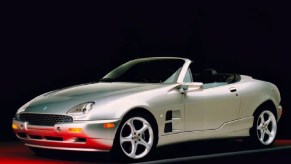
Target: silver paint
pixel 200 113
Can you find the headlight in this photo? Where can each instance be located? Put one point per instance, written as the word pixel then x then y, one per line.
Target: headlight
pixel 81 109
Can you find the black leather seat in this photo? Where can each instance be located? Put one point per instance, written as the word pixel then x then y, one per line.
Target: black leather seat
pixel 208 75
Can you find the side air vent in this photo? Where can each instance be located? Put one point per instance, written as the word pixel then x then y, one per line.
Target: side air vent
pixel 169 115
pixel 173 121
pixel 168 127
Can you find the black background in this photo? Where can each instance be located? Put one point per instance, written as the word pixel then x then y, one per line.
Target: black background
pixel 49 46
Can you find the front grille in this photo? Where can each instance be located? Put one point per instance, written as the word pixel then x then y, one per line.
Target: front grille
pixel 44 119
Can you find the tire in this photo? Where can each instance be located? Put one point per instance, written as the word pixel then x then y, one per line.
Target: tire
pixel 264 130
pixel 136 138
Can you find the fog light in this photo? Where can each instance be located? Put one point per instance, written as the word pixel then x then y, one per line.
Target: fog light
pixel 109 125
pixel 75 130
pixel 14 126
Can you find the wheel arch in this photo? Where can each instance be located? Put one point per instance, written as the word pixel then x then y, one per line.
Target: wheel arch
pixel 268 104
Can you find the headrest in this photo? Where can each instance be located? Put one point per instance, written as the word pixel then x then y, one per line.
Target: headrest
pixel 209 72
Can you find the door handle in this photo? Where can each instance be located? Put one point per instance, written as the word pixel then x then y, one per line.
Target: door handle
pixel 232 89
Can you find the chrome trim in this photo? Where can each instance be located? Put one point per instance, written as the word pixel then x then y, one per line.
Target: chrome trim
pixel 183 71
pixel 45 113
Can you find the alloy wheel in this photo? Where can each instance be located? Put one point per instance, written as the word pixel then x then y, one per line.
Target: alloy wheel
pixel 266 127
pixel 136 137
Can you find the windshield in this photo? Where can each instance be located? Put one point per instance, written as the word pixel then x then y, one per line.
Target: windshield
pixel 146 71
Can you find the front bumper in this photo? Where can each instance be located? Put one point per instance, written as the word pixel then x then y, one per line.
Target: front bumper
pixel 92 137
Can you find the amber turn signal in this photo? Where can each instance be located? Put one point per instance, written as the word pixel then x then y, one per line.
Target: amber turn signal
pixel 109 125
pixel 14 126
pixel 75 130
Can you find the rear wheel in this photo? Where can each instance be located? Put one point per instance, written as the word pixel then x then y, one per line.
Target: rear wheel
pixel 136 137
pixel 265 128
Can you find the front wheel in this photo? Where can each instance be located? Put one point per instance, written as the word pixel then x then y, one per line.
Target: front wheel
pixel 136 137
pixel 265 128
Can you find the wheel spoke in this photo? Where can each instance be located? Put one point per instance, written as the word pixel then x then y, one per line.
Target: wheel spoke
pixel 133 149
pixel 144 143
pixel 262 118
pixel 130 124
pixel 143 129
pixel 269 133
pixel 260 127
pixel 268 121
pixel 126 139
pixel 262 136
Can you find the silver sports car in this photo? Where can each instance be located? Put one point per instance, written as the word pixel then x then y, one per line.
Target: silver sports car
pixel 151 102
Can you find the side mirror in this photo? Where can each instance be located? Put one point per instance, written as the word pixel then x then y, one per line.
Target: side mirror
pixel 183 88
pixel 186 87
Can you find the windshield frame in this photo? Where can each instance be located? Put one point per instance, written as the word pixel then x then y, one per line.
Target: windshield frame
pixel 128 64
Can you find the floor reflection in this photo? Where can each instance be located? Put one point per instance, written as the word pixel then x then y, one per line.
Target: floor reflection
pixel 15 152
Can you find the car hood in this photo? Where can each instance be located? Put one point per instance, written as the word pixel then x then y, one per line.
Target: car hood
pixel 61 101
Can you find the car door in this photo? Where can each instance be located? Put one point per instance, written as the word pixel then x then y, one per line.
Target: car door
pixel 211 106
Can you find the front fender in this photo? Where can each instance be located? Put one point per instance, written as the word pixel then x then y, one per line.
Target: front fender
pixel 116 109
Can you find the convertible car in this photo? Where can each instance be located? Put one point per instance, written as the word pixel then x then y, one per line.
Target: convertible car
pixel 151 102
